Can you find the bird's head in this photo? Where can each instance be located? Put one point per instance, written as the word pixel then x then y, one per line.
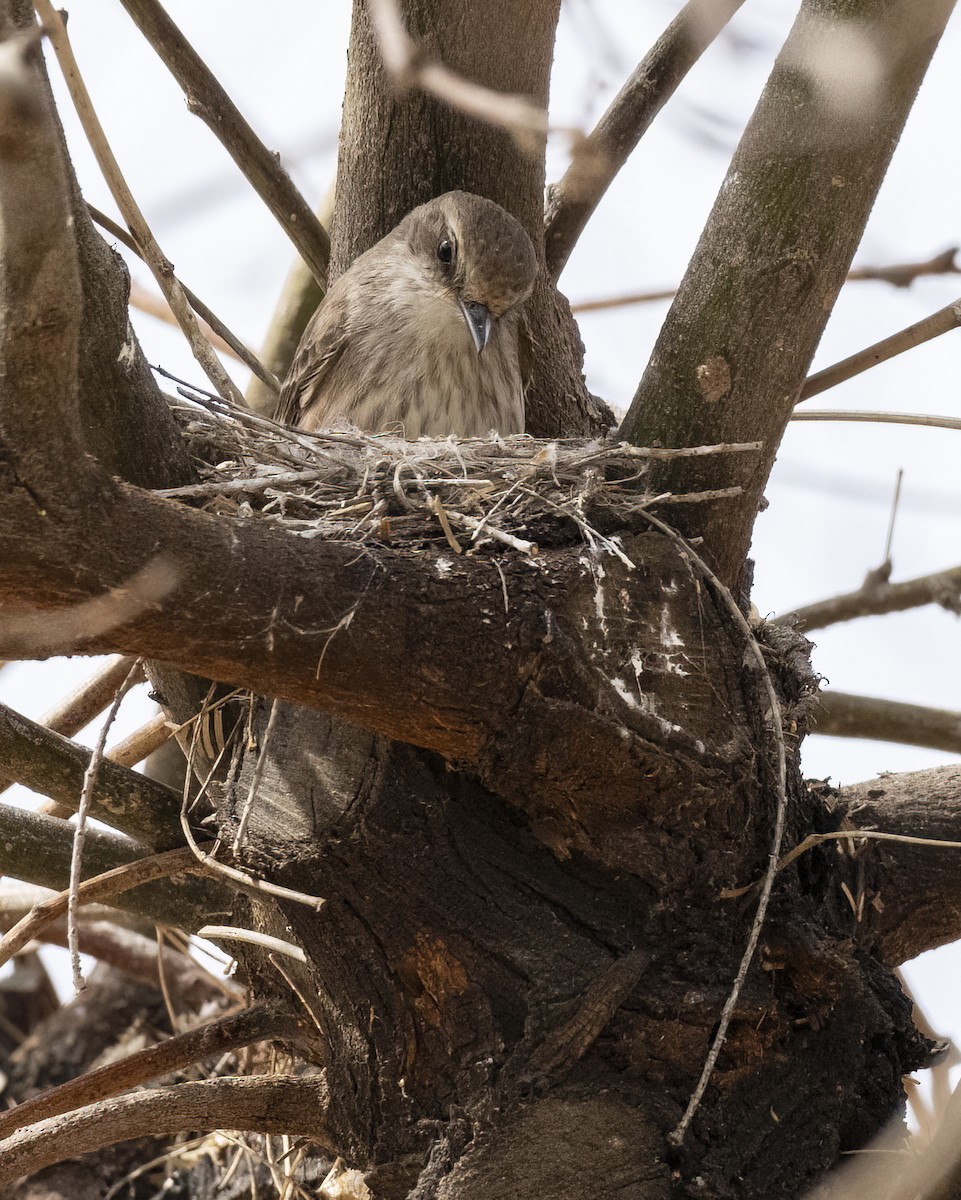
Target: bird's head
pixel 476 252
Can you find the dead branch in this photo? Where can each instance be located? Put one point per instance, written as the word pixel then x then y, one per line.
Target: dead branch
pixel 877 418
pixel 217 327
pixel 261 167
pixel 140 957
pixel 900 275
pixel 49 764
pixel 279 1104
pixel 156 260
pixel 597 160
pixel 37 850
pixel 256 1024
pixel 840 714
pixel 943 321
pixel 877 597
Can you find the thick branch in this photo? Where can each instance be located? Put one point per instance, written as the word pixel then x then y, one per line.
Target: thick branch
pixel 737 342
pixel 208 100
pixel 37 849
pixel 943 587
pixel 52 765
pixel 279 1104
pixel 597 160
pixel 841 714
pixel 918 888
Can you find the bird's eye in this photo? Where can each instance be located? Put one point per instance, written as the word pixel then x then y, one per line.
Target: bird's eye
pixel 445 251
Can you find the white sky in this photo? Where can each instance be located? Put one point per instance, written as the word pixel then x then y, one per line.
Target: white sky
pixel 830 491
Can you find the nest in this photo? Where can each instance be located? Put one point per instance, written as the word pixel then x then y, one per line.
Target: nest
pixel 510 494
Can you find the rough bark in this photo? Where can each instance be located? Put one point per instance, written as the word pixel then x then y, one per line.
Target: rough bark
pixel 736 345
pixel 523 951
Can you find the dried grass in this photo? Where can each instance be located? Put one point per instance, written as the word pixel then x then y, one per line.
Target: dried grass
pixel 470 493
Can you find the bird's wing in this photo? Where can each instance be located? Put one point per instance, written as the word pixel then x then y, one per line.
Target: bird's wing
pixel 320 349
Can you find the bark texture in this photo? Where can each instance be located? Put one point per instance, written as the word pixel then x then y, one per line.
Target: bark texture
pixel 524 836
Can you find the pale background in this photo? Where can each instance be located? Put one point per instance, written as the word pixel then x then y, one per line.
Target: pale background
pixel 831 490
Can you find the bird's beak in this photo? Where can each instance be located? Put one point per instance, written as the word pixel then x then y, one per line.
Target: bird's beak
pixel 479 322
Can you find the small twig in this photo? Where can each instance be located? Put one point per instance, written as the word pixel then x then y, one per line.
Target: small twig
pixel 100 887
pixel 900 275
pixel 256 776
pixel 208 100
pixel 880 418
pixel 411 68
pixel 76 857
pixel 210 318
pixel 159 265
pixel 943 321
pixel 149 303
pixel 441 514
pixel 842 835
pixel 754 652
pixel 477 523
pixel 597 160
pixel 894 513
pixel 228 933
pixel 942 587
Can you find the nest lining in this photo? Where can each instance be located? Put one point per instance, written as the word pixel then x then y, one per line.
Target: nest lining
pixel 470 493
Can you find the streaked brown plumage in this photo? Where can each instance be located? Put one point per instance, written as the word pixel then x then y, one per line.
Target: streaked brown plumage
pixel 420 336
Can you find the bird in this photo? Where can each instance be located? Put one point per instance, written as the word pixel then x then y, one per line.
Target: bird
pixel 420 337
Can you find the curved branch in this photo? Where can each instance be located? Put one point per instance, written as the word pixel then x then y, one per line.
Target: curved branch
pixel 597 160
pixel 741 333
pixel 257 1024
pixel 208 100
pixel 279 1104
pixel 840 714
pixel 917 902
pixel 942 587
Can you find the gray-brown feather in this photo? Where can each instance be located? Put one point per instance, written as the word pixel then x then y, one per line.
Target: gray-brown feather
pixel 390 348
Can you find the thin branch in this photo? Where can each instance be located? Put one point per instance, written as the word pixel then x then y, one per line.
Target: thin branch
pixel 296 304
pixel 281 1104
pixel 37 849
pixel 158 263
pixel 83 810
pixel 840 714
pixel 261 167
pixel 597 160
pixel 49 764
pixel 899 275
pixel 148 302
pixel 943 321
pixel 106 886
pixel 942 587
pixel 257 1024
pixel 89 700
pixel 925 420
pixel 245 355
pixel 409 67
pixel 754 653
